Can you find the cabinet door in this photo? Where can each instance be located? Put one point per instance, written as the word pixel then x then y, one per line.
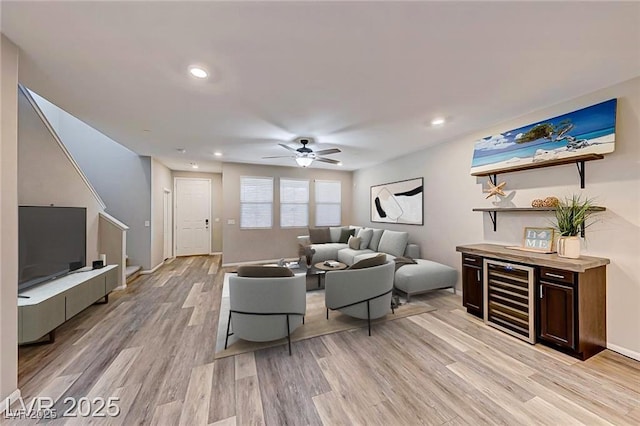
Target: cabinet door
pixel 557 314
pixel 472 293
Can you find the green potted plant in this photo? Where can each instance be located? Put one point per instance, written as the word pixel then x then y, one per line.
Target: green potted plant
pixel 572 214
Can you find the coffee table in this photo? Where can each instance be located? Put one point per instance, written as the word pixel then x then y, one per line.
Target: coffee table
pixel 320 269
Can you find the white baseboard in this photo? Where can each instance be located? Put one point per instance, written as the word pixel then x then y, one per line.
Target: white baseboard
pixel 624 351
pixel 214 253
pixel 151 271
pixel 119 288
pixel 257 262
pixel 9 400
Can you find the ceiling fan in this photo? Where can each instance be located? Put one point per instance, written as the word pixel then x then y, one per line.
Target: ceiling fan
pixel 305 156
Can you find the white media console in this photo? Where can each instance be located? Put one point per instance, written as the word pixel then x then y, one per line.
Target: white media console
pixel 44 307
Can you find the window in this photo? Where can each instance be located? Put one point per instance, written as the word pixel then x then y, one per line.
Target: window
pixel 256 202
pixel 328 203
pixel 294 203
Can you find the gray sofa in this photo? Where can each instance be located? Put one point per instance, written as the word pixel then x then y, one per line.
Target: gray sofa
pixel 392 243
pixel 410 279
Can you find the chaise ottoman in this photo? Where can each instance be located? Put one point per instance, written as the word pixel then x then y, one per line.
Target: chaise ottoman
pixel 424 276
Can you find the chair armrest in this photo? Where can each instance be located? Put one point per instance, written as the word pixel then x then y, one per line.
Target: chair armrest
pixel 304 240
pixel 412 251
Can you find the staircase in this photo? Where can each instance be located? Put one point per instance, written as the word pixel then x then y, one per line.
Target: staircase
pixel 132 271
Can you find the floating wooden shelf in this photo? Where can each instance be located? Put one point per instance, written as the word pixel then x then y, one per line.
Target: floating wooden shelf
pixel 529 209
pixel 493 212
pixel 578 160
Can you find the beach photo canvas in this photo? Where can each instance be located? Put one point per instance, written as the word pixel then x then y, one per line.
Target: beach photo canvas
pixel 590 130
pixel 398 202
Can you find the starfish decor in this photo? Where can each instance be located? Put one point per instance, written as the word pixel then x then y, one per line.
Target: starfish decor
pixel 495 189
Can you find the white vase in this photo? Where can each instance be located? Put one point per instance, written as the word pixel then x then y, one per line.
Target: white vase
pixel 569 247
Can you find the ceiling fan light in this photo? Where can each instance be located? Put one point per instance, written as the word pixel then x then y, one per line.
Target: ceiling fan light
pixel 304 161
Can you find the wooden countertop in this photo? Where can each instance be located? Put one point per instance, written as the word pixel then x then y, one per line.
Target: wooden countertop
pixel 549 260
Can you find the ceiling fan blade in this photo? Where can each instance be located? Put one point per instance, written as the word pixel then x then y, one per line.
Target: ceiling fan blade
pixel 287 147
pixel 327 160
pixel 281 156
pixel 328 151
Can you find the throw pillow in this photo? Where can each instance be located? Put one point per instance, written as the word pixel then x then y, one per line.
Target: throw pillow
pixel 365 235
pixel 375 239
pixel 257 271
pixel 319 235
pixel 370 262
pixel 336 232
pixel 346 234
pixel 354 243
pixel 393 242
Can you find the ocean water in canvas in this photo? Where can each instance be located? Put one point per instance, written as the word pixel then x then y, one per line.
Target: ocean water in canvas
pixel 589 130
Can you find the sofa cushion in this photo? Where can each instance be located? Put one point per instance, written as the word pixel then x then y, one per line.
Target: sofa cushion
pixel 328 251
pixel 393 242
pixel 348 255
pixel 346 234
pixel 365 235
pixel 354 243
pixel 379 259
pixel 319 235
pixel 375 239
pixel 425 275
pixel 357 228
pixel 259 271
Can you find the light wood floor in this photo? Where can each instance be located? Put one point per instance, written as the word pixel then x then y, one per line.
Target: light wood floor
pixel 153 347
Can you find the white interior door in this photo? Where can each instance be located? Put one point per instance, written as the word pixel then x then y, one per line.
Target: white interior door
pixel 193 216
pixel 168 229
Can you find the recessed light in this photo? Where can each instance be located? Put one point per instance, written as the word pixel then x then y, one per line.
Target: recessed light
pixel 339 164
pixel 198 72
pixel 438 121
pixel 217 154
pixel 181 150
pixel 194 165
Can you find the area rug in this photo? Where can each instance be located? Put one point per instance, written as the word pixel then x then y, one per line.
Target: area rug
pixel 315 324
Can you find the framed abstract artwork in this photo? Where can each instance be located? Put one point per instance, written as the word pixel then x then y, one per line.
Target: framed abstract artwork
pixel 398 202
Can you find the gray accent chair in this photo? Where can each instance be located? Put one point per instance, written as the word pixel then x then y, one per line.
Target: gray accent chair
pixel 266 309
pixel 360 293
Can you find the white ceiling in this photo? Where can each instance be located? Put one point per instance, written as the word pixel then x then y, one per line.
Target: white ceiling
pixel 365 77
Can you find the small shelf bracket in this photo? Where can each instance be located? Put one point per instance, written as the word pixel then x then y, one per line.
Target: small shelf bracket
pixel 493 215
pixel 580 166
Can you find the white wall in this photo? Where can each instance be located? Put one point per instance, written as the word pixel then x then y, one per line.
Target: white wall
pixel 451 193
pixel 46 176
pixel 8 218
pixel 160 179
pixel 119 175
pixel 247 245
pixel 216 204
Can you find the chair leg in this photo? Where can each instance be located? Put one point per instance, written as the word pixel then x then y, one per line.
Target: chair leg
pixel 289 335
pixel 303 319
pixel 327 313
pixel 369 317
pixel 226 339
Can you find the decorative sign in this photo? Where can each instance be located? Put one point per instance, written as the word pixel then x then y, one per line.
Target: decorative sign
pixel 590 130
pixel 538 239
pixel 398 202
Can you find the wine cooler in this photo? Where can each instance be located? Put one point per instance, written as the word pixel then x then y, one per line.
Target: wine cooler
pixel 509 303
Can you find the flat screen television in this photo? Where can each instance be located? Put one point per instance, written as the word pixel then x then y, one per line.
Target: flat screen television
pixel 52 242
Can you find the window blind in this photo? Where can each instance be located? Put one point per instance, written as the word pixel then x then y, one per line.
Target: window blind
pixel 328 198
pixel 294 203
pixel 256 202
